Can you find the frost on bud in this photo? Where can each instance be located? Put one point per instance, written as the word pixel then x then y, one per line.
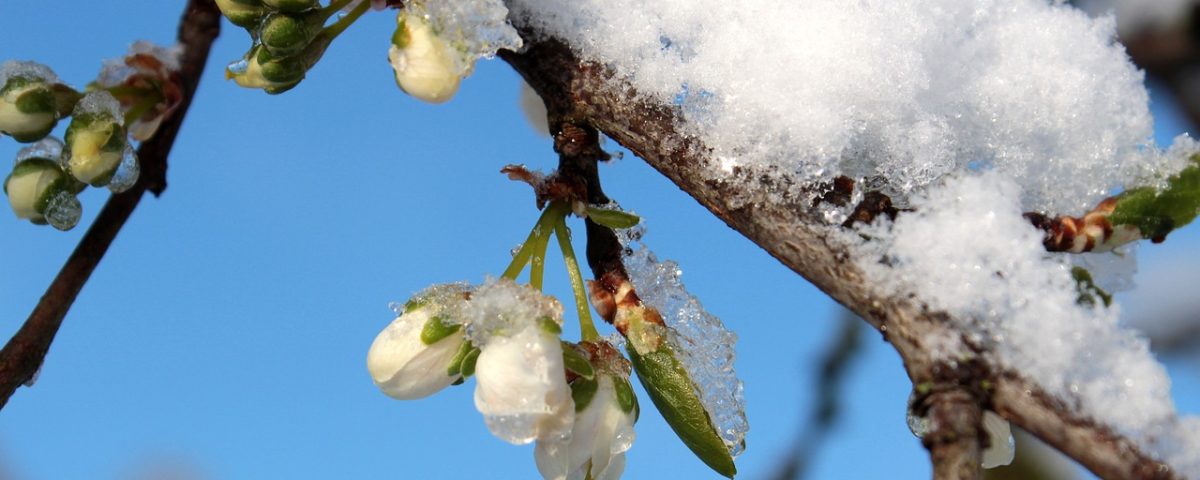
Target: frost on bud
pixel 424 64
pixel 422 350
pixel 28 105
pixel 259 69
pixel 1000 449
pixel 146 82
pixel 95 139
pixel 39 190
pixel 243 13
pixel 605 411
pixel 521 384
pixel 285 34
pixel 291 5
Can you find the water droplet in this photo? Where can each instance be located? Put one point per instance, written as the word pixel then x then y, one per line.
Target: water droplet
pixel 63 211
pixel 127 171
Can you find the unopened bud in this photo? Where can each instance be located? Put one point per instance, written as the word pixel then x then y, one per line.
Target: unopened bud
pixel 291 5
pixel 260 69
pixel 95 139
pixel 287 34
pixel 40 191
pixel 423 62
pixel 243 13
pixel 28 107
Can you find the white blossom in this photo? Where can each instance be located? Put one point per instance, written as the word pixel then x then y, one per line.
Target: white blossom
pixel 1000 450
pixel 424 63
pixel 407 368
pixel 521 386
pixel 602 432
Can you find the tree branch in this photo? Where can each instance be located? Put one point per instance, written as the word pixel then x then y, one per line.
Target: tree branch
pixel 795 234
pixel 23 355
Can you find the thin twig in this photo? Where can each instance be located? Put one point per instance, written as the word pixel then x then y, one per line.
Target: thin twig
pixel 23 355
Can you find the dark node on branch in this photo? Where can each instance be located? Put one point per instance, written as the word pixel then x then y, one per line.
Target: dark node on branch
pixel 1091 232
pixel 873 204
pixel 837 192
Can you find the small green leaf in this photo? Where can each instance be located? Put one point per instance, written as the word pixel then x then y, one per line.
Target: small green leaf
pixel 1088 291
pixel 550 326
pixel 468 363
pixel 674 394
pixel 582 391
pixel 625 397
pixel 435 329
pixel 1156 213
pixel 612 218
pixel 576 363
pixel 456 363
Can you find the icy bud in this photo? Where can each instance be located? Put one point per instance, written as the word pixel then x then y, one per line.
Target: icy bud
pixel 521 386
pixel 605 411
pixel 28 108
pixel 95 139
pixel 1001 449
pixel 291 5
pixel 147 82
pixel 421 351
pixel 243 13
pixel 286 34
pixel 423 62
pixel 259 69
pixel 39 190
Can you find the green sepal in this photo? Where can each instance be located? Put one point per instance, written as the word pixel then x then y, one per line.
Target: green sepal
pixel 247 14
pixel 291 5
pixel 615 219
pixel 1088 291
pixel 626 398
pixel 35 166
pixel 435 329
pixel 281 70
pixel 582 392
pixel 468 363
pixel 550 326
pixel 576 363
pixel 1156 213
pixel 286 34
pixel 415 303
pixel 39 100
pixel 674 394
pixel 456 363
pixel 65 99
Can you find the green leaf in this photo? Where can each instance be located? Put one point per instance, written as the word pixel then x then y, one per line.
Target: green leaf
pixel 582 391
pixel 456 363
pixel 550 326
pixel 468 363
pixel 612 218
pixel 435 329
pixel 673 393
pixel 1088 291
pixel 1156 213
pixel 626 398
pixel 576 363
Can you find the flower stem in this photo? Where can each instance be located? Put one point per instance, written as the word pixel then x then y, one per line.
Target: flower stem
pixel 537 264
pixel 586 327
pixel 335 6
pixel 340 26
pixel 539 235
pixel 141 107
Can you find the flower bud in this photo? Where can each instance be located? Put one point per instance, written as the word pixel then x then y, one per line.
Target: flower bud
pixel 95 139
pixel 28 110
pixel 422 350
pixel 423 62
pixel 286 34
pixel 243 13
pixel 260 69
pixel 291 5
pixel 39 190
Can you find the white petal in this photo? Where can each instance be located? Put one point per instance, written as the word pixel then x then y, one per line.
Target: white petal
pixel 404 367
pixel 424 67
pixel 521 387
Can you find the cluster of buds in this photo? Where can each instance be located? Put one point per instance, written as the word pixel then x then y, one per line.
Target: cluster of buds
pixel 574 400
pixel 289 37
pixel 127 102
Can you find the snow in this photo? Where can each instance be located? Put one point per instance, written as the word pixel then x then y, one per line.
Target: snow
pixel 704 345
pixel 475 29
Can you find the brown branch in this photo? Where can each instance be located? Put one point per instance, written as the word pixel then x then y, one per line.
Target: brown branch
pixel 23 355
pixel 794 233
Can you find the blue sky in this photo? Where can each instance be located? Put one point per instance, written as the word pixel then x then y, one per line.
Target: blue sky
pixel 226 329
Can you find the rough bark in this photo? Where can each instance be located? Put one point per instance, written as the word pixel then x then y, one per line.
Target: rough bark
pixel 587 93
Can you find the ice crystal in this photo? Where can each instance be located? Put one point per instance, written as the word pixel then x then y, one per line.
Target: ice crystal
pixel 29 70
pixel 475 29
